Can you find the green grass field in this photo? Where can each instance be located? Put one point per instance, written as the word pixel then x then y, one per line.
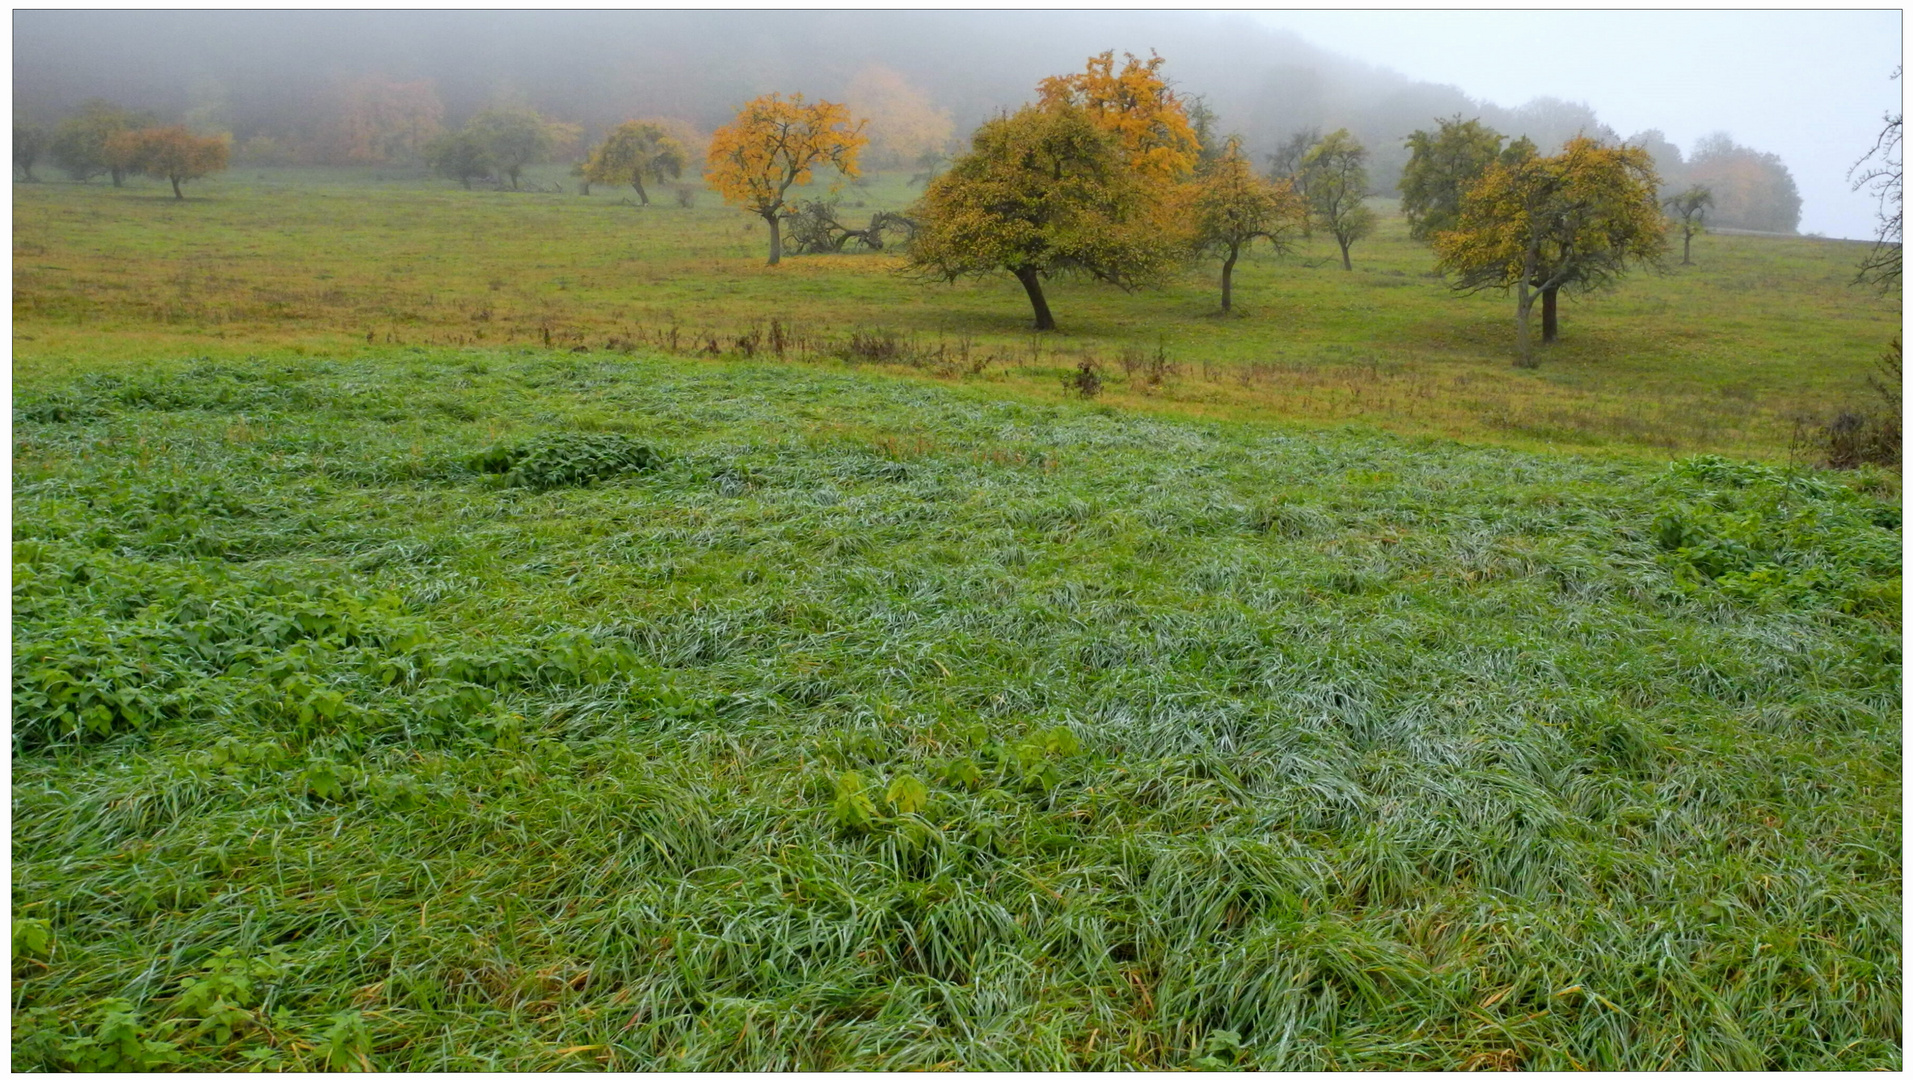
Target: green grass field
pixel 456 700
pixel 1718 357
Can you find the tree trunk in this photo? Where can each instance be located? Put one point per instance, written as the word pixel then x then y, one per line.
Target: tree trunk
pixel 1523 304
pixel 777 239
pixel 1346 265
pixel 645 200
pixel 513 173
pixel 1550 326
pixel 467 181
pixel 1687 246
pixel 1228 268
pixel 118 176
pixel 1034 287
pixel 176 191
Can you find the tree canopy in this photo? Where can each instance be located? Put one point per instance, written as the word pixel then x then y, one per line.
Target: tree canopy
pixel 1137 106
pixel 460 156
pixel 1442 166
pixel 169 153
pixel 78 144
pixel 1044 191
pixel 1233 207
pixel 774 144
pixel 1537 224
pixel 512 139
pixel 634 152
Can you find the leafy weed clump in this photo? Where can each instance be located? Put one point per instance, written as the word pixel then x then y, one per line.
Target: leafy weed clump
pixel 568 459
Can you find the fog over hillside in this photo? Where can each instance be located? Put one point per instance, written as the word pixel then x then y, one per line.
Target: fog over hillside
pixel 272 73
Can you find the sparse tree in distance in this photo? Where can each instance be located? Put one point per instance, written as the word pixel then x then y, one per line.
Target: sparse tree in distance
pixel 1690 209
pixel 1044 191
pixel 775 144
pixel 1880 172
pixel 1579 218
pixel 1233 207
pixel 1286 162
pixel 904 123
pixel 1442 166
pixel 29 140
pixel 168 153
pixel 1335 181
pixel 1752 190
pixel 513 138
pixel 378 121
pixel 460 156
pixel 634 152
pixel 1137 106
pixel 78 146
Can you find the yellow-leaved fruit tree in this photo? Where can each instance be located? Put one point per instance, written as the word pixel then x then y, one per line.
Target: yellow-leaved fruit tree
pixel 775 144
pixel 634 152
pixel 1089 181
pixel 1234 206
pixel 1578 219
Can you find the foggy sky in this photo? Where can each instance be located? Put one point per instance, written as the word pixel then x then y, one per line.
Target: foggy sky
pixel 1809 86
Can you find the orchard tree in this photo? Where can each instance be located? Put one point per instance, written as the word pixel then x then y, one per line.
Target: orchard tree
pixel 1233 207
pixel 1442 166
pixel 773 145
pixel 1137 106
pixel 1286 162
pixel 512 138
pixel 634 152
pixel 1578 219
pixel 1042 192
pixel 1690 208
pixel 168 153
pixel 29 140
pixel 459 155
pixel 78 146
pixel 1335 180
pixel 1880 172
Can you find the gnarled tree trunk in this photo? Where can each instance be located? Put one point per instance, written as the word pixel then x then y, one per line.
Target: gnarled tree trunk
pixel 777 238
pixel 1034 287
pixel 1550 325
pixel 637 182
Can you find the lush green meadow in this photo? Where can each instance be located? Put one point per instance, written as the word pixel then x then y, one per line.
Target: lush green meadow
pixel 489 708
pixel 417 665
pixel 1720 357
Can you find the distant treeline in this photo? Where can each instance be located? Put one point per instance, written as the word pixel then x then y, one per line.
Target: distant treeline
pixel 366 87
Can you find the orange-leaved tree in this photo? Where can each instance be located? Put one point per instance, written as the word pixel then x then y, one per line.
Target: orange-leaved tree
pixel 1233 206
pixel 773 145
pixel 1137 106
pixel 1536 224
pixel 170 153
pixel 634 152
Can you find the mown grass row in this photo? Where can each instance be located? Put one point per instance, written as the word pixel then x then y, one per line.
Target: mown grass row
pixel 464 708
